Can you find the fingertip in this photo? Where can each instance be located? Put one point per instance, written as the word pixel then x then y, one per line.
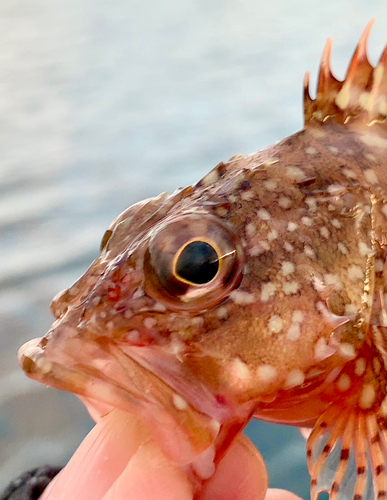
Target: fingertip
pixel 150 475
pixel 275 494
pixel 240 475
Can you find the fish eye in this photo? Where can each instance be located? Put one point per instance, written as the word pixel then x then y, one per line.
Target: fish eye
pixel 105 239
pixel 193 262
pixel 197 263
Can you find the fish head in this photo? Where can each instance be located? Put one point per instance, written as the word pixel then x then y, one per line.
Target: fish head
pixel 204 305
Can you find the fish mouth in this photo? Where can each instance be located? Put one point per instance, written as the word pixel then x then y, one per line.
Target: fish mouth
pixel 103 371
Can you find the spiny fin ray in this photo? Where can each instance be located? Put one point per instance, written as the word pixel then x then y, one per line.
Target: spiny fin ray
pixel 339 459
pixel 362 95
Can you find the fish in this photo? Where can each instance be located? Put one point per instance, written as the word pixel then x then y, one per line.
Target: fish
pixel 258 292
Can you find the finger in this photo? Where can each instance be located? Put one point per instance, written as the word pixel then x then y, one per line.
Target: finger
pixel 95 408
pixel 241 474
pixel 274 494
pixel 102 456
pixel 150 475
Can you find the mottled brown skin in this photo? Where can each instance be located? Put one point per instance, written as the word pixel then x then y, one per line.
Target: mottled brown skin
pixel 292 329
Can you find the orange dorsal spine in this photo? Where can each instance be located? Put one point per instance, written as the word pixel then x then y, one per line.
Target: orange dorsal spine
pixel 361 96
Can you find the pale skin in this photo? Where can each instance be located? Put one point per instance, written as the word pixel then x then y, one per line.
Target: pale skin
pixel 119 460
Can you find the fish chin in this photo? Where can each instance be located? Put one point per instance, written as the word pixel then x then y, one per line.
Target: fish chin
pixel 184 434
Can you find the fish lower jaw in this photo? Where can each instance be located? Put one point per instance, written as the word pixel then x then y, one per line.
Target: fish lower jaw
pixel 186 436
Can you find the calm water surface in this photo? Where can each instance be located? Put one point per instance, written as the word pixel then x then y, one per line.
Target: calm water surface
pixel 104 103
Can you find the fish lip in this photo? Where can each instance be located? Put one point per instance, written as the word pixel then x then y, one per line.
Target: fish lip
pixel 169 416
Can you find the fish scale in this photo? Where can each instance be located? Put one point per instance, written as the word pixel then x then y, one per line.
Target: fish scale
pixel 260 291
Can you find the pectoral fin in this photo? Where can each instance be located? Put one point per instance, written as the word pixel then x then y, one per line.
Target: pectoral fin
pixel 347 455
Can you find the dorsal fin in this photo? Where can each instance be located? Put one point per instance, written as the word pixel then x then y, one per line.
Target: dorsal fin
pixel 361 96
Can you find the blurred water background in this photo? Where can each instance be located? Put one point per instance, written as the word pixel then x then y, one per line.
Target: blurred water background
pixel 105 102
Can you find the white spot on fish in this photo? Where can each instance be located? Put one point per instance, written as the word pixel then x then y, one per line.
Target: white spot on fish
pixel 307 221
pixel 222 313
pixel 270 185
pixel 250 229
pixel 242 298
pixel 350 174
pixel 267 373
pixel 370 156
pixel 284 202
pixel 364 249
pixel 239 371
pixel 344 382
pixel 287 268
pixel 312 204
pixel 197 321
pixel 288 246
pixel 373 140
pixel 309 251
pixel 351 309
pixel 158 306
pixel 367 396
pixel 150 322
pixel 275 324
pixel 324 232
pixel 365 101
pixel 96 301
pixel 295 377
pixel 360 366
pixel 133 336
pixel 342 98
pixel 248 195
pixel 298 316
pixel 179 403
pixel 292 226
pixel 343 249
pixel 294 332
pixel 376 365
pixel 347 350
pixel 290 288
pixel 263 214
pixel 333 149
pixel 267 291
pixel 336 223
pixel 272 235
pixel 295 173
pixel 317 133
pixel 355 273
pixel 371 176
pixel 43 365
pixel 333 279
pixel 311 151
pixel 256 250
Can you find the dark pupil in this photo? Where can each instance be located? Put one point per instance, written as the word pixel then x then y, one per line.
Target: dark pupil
pixel 198 263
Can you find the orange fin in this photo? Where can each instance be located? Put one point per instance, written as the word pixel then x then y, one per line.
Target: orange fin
pixel 347 456
pixel 361 96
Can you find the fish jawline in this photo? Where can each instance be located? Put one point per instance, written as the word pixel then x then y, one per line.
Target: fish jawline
pixel 182 432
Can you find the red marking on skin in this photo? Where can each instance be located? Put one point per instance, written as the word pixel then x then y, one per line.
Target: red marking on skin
pixel 221 400
pixel 114 293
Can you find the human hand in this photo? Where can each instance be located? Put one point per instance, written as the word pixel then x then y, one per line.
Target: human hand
pixel 118 460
